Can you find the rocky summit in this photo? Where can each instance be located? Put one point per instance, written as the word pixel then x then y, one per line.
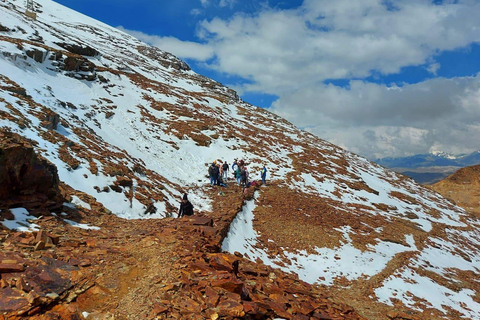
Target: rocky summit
pixel 101 135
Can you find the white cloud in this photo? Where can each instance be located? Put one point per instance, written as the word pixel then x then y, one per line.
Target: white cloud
pixel 227 3
pixel 286 49
pixel 181 49
pixel 433 68
pixel 195 12
pixel 290 53
pixel 378 121
pixel 220 3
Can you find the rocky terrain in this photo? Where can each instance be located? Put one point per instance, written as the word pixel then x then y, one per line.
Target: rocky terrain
pixel 128 128
pixel 463 188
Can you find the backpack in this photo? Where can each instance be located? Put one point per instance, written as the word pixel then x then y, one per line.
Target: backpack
pixel 210 171
pixel 225 167
pixel 244 174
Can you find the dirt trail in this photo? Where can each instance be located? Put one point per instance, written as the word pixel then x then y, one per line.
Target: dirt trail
pixel 161 269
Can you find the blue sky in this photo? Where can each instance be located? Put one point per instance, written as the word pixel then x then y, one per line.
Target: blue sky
pixel 380 78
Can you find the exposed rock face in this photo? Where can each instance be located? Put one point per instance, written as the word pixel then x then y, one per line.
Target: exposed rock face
pixel 78 49
pixel 26 179
pixel 51 120
pixel 164 58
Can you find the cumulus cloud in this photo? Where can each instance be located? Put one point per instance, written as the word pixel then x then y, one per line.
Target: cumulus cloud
pixel 293 54
pixel 227 3
pixel 220 3
pixel 377 120
pixel 181 49
pixel 285 49
pixel 195 12
pixel 433 68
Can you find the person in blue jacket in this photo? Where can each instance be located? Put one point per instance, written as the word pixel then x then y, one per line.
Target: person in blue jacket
pixel 263 174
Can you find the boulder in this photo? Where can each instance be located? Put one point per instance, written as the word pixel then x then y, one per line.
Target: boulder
pixel 50 120
pixel 26 179
pixel 79 49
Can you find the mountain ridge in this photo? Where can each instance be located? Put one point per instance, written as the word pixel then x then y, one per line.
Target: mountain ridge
pixel 131 128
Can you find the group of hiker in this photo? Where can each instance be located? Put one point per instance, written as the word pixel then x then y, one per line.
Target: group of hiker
pixel 218 173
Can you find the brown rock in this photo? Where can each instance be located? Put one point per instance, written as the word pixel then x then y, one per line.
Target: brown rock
pixel 124 181
pixel 55 238
pixel 25 177
pixel 71 243
pixel 10 267
pixel 39 246
pixel 230 284
pixel 34 311
pixel 211 296
pixel 250 308
pixel 222 262
pixel 230 308
pixel 187 305
pixel 207 231
pixel 300 317
pixel 159 309
pixel 201 221
pixel 11 300
pixel 22 285
pixel 50 120
pixel 399 315
pixel 321 315
pixel 32 296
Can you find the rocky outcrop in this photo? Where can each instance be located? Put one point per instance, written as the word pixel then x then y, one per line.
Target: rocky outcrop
pixel 462 188
pixel 51 120
pixel 26 180
pixel 166 59
pixel 79 49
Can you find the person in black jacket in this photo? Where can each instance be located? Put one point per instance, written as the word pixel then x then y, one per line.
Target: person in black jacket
pixel 186 208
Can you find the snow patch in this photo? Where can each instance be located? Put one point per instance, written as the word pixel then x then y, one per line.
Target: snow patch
pixel 21 223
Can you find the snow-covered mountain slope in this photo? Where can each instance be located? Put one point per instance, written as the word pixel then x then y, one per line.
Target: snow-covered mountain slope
pixel 132 127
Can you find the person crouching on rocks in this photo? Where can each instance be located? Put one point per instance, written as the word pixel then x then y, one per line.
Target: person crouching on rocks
pixel 186 208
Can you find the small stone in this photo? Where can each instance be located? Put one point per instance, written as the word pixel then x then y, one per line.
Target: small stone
pixel 10 267
pixel 21 285
pixel 55 238
pixel 32 296
pixel 52 295
pixel 39 246
pixel 41 236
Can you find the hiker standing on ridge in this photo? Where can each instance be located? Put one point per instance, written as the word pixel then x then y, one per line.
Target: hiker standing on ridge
pixel 216 173
pixel 234 168
pixel 263 174
pixel 238 174
pixel 211 173
pixel 225 171
pixel 220 168
pixel 186 208
pixel 243 176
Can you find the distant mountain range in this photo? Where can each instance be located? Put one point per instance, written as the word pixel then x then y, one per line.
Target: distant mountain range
pixel 430 168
